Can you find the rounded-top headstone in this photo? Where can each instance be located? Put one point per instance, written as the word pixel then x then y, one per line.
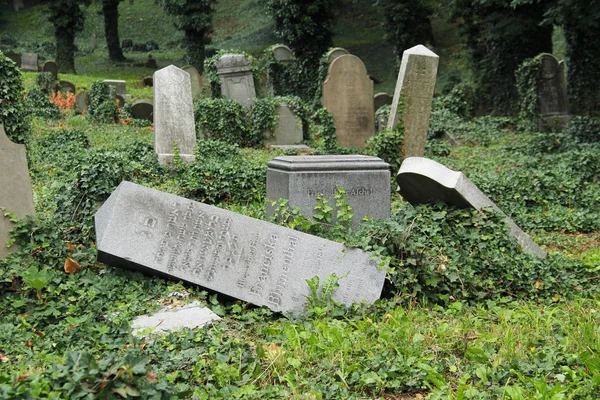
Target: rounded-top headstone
pixel 231 63
pixel 52 67
pixel 335 53
pixel 142 109
pixel 196 80
pixel 66 86
pixel 381 99
pixel 283 53
pixel 81 102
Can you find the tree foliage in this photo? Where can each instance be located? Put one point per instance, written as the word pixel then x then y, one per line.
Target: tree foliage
pixel 194 18
pixel 68 18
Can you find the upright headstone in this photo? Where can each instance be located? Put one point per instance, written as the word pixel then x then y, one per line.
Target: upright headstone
pixel 15 194
pixel 120 87
pixel 142 109
pixel 82 101
pixel 348 96
pixel 246 258
pixel 174 123
pixel 29 62
pixel 237 80
pixel 196 80
pixel 381 99
pixel 16 57
pixel 67 86
pixel 300 179
pixel 288 130
pixel 151 62
pixel 335 53
pixel 415 86
pixel 283 53
pixel 421 180
pixel 553 103
pixel 52 67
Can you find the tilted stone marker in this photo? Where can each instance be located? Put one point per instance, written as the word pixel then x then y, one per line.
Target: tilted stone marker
pixel 249 259
pixel 174 122
pixel 553 103
pixel 237 80
pixel 422 180
pixel 196 81
pixel 300 179
pixel 381 99
pixel 335 53
pixel 170 319
pixel 142 109
pixel 15 187
pixel 288 130
pixel 29 62
pixel 348 96
pixel 82 101
pixel 415 86
pixel 52 67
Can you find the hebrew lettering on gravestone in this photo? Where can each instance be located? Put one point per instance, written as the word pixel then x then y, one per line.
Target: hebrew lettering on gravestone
pixel 422 180
pixel 16 194
pixel 249 259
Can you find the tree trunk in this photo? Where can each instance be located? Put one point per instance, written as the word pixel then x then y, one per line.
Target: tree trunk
pixel 110 9
pixel 65 50
pixel 195 43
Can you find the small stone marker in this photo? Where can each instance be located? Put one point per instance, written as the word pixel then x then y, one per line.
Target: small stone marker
pixel 237 80
pixel 553 103
pixel 170 319
pixel 335 53
pixel 283 53
pixel 381 99
pixel 16 194
pixel 120 87
pixel 142 109
pixel 29 62
pixel 348 96
pixel 174 122
pixel 52 67
pixel 249 259
pixel 415 85
pixel 93 42
pixel 66 86
pixel 300 179
pixel 288 130
pixel 196 80
pixel 151 63
pixel 422 180
pixel 16 57
pixel 81 102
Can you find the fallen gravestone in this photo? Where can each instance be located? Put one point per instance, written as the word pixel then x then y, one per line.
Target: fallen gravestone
pixel 171 319
pixel 15 194
pixel 422 180
pixel 381 99
pixel 196 81
pixel 82 101
pixel 29 62
pixel 67 86
pixel 348 96
pixel 415 86
pixel 155 232
pixel 553 103
pixel 52 67
pixel 300 179
pixel 237 80
pixel 288 130
pixel 335 53
pixel 142 109
pixel 174 123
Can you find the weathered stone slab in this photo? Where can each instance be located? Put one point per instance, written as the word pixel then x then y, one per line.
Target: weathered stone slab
pixel 170 319
pixel 15 194
pixel 52 67
pixel 300 179
pixel 196 80
pixel 553 102
pixel 381 99
pixel 415 86
pixel 348 96
pixel 289 128
pixel 335 53
pixel 174 122
pixel 237 80
pixel 67 86
pixel 119 85
pixel 283 53
pixel 29 62
pixel 81 102
pixel 249 259
pixel 142 109
pixel 422 180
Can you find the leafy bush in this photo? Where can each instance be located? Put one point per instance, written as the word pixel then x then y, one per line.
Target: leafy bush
pixel 102 104
pixel 387 145
pixel 46 82
pixel 38 104
pixel 584 129
pixel 221 119
pixel 13 115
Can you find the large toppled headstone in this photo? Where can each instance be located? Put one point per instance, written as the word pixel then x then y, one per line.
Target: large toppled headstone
pixel 288 130
pixel 348 96
pixel 422 180
pixel 415 86
pixel 249 259
pixel 300 179
pixel 15 187
pixel 173 114
pixel 553 102
pixel 237 79
pixel 29 62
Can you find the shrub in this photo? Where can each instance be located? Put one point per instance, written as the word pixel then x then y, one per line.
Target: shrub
pixel 39 105
pixel 102 106
pixel 584 129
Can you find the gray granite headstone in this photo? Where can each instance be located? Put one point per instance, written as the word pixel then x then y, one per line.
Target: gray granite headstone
pixel 15 187
pixel 415 86
pixel 196 80
pixel 289 128
pixel 335 53
pixel 381 99
pixel 82 101
pixel 553 103
pixel 29 62
pixel 171 319
pixel 237 80
pixel 67 86
pixel 249 259
pixel 174 122
pixel 142 109
pixel 300 179
pixel 283 53
pixel 120 87
pixel 422 180
pixel 52 67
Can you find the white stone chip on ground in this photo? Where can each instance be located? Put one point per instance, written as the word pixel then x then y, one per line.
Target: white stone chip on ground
pixel 169 319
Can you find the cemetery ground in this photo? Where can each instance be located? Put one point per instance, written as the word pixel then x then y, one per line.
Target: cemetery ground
pixel 464 313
